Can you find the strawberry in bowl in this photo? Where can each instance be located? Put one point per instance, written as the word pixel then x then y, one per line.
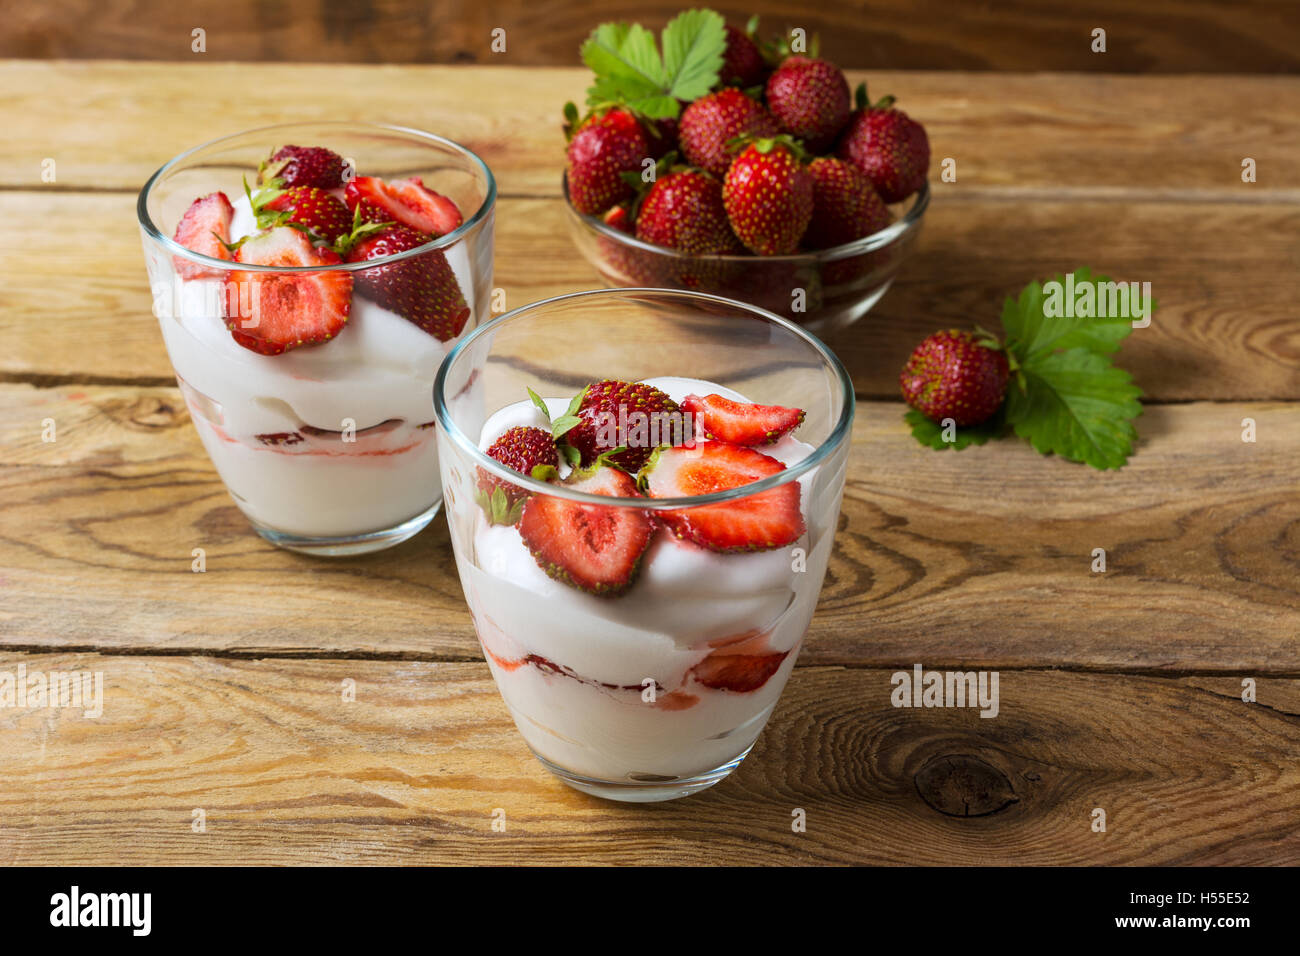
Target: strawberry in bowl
pixel 823 192
pixel 306 304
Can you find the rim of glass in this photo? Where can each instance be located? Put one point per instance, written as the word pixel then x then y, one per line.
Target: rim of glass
pixel 838 434
pixel 225 265
pixel 877 240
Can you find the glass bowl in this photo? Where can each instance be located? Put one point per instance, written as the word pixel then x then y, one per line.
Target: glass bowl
pixel 822 291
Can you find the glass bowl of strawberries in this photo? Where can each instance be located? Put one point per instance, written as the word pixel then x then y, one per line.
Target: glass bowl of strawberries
pixel 308 280
pixel 750 173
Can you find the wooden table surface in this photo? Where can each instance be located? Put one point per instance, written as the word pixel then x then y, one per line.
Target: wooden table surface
pixel 1119 691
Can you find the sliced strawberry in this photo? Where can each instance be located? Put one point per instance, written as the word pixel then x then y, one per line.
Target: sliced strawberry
pixel 279 438
pixel 407 201
pixel 760 522
pixel 617 217
pixel 314 209
pixel 204 229
pixel 594 548
pixel 266 311
pixel 422 288
pixel 742 673
pixel 741 423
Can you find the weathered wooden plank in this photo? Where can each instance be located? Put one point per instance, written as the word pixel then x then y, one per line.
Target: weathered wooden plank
pixel 1227 326
pixel 412 771
pixel 1253 36
pixel 1053 132
pixel 982 555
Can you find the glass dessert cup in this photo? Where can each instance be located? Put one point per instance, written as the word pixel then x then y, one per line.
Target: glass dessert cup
pixel 661 690
pixel 327 449
pixel 821 291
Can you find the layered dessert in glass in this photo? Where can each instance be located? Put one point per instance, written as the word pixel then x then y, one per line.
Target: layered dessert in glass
pixel 642 553
pixel 306 295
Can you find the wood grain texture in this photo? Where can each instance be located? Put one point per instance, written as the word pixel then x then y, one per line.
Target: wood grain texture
pixel 985 558
pixel 1135 137
pixel 1250 36
pixel 1227 327
pixel 411 772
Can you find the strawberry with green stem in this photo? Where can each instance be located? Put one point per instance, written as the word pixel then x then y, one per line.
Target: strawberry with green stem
pixel 888 146
pixel 1065 396
pixel 768 195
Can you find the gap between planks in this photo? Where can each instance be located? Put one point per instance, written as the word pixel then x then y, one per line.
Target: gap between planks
pixel 270 654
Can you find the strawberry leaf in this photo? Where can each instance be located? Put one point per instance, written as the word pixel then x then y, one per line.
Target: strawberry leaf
pixel 630 71
pixel 541 405
pixel 1078 405
pixel 931 433
pixel 694 44
pixel 626 63
pixel 1037 322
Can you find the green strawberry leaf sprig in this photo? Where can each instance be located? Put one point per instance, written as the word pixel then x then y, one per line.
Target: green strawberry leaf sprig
pixel 631 70
pixel 1065 395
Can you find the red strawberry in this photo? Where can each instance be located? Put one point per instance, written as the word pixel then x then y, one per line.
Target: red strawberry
pixel 760 522
pixel 845 205
pixel 204 229
pixel 272 312
pixel 422 288
pixel 742 63
pixel 613 414
pixel 314 209
pixel 810 99
pixel 768 194
pixel 733 670
pixel 617 217
pixel 312 166
pixel 522 449
pixel 955 375
pixel 887 145
pixel 684 211
pixel 595 548
pixel 604 146
pixel 712 121
pixel 741 423
pixel 405 201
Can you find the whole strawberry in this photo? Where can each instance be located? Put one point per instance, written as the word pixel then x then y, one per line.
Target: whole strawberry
pixel 742 63
pixel 956 375
pixel 887 145
pixel 810 99
pixel 613 414
pixel 604 146
pixel 522 449
pixel 421 288
pixel 315 210
pixel 712 121
pixel 845 205
pixel 684 211
pixel 304 166
pixel 768 194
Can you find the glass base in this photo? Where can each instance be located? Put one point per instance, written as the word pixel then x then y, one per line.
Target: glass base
pixel 347 545
pixel 648 790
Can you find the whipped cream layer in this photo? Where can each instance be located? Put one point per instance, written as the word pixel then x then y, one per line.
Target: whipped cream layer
pixel 577 698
